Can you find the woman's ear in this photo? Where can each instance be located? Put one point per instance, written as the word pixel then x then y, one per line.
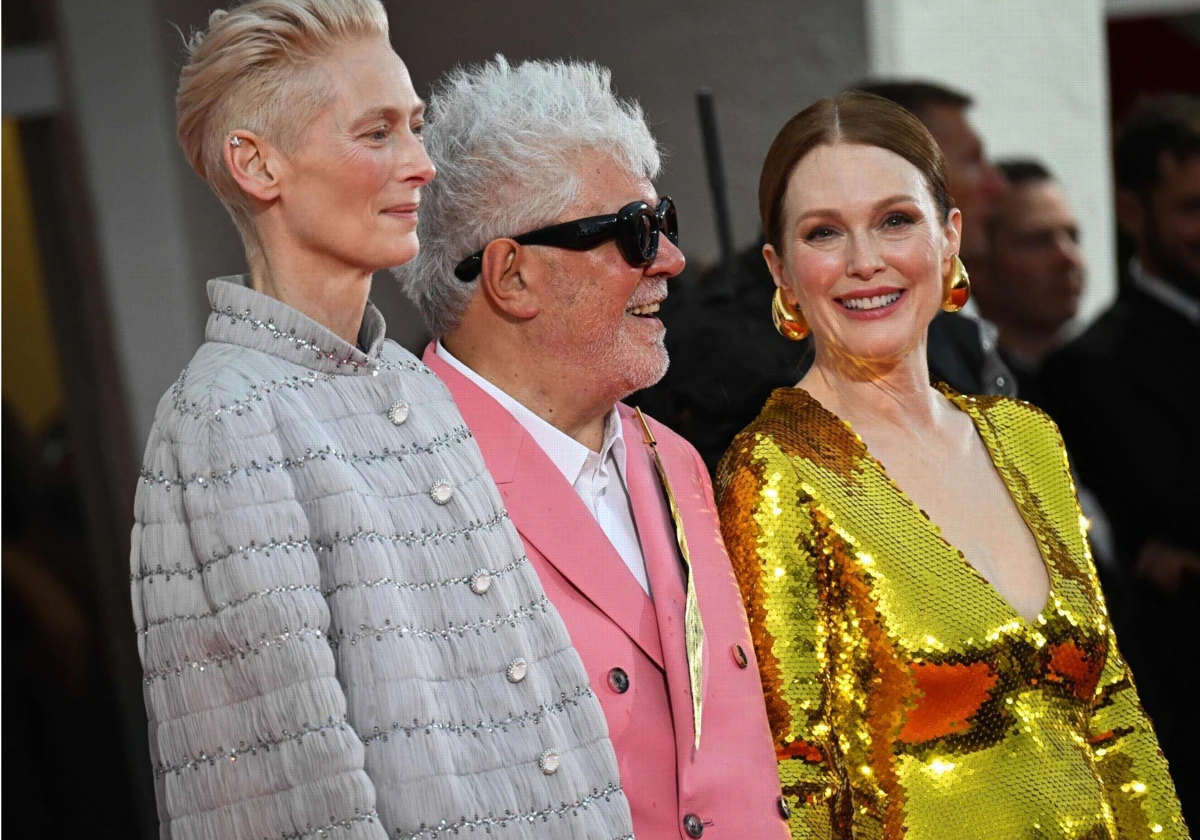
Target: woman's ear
pixel 774 262
pixel 953 232
pixel 254 165
pixel 502 282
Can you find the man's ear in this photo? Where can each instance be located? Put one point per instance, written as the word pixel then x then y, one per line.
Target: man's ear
pixel 1130 214
pixel 254 164
pixel 502 283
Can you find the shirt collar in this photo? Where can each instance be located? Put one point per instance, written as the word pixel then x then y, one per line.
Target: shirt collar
pixel 239 315
pixel 568 454
pixel 1164 292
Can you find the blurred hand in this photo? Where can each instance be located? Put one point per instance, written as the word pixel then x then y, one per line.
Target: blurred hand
pixel 1166 566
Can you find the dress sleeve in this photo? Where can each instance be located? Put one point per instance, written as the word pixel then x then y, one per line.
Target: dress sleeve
pixel 247 720
pixel 1130 764
pixel 768 530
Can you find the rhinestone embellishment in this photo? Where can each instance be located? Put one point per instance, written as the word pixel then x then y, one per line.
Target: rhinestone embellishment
pixel 549 762
pixel 441 492
pixel 481 581
pixel 517 669
pixel 398 413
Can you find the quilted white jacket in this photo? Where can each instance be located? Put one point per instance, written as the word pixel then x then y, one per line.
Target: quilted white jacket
pixel 340 633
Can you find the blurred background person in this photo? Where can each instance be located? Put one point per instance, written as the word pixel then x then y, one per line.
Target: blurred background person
pixel 1035 270
pixel 936 656
pixel 1125 395
pixel 723 365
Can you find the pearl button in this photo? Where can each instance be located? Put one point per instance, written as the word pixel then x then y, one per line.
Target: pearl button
pixel 398 413
pixel 481 581
pixel 549 762
pixel 517 669
pixel 441 492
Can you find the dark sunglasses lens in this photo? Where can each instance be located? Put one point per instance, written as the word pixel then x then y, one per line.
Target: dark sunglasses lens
pixel 647 234
pixel 670 220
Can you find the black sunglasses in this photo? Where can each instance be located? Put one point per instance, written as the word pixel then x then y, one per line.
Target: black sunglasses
pixel 635 226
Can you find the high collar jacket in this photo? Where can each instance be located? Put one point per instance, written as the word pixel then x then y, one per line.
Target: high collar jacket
pixel 341 634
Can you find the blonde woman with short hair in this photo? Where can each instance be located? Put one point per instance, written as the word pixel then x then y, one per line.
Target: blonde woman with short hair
pixel 340 632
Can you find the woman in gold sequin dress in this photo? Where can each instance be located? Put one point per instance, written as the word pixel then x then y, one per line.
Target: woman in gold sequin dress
pixel 935 651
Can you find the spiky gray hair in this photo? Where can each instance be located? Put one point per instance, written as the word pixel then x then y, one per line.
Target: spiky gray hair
pixel 505 141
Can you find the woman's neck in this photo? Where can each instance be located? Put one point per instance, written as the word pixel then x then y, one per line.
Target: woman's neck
pixel 332 294
pixel 892 393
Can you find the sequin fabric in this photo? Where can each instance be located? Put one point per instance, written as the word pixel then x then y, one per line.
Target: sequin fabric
pixel 906 698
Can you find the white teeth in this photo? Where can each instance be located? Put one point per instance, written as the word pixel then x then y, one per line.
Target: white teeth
pixel 645 309
pixel 863 304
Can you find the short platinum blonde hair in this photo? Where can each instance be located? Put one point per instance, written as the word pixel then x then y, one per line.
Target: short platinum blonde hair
pixel 506 143
pixel 250 69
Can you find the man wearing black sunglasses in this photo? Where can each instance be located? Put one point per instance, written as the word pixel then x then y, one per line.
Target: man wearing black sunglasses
pixel 545 253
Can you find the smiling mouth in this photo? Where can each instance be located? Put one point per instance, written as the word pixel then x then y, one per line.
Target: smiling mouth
pixel 644 310
pixel 868 304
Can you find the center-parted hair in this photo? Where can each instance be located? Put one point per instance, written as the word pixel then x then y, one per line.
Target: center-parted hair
pixel 852 117
pixel 250 69
pixel 506 141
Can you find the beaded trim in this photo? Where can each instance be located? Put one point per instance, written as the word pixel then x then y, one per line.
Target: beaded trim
pixel 246 403
pixel 324 831
pixel 373 364
pixel 490 822
pixel 237 602
pixel 149 575
pixel 422 537
pixel 454 436
pixel 424 585
pixel 459 630
pixel 255 324
pixel 243 749
pixel 219 659
pixel 533 716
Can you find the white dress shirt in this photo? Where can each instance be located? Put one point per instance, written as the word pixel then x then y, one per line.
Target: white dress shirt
pixel 598 477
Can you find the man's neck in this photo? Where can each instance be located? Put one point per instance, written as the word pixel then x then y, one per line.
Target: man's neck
pixel 331 293
pixel 572 406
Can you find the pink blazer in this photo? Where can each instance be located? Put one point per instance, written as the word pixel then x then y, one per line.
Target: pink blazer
pixel 632 646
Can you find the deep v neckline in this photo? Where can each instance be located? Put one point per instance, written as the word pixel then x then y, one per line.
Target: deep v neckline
pixel 990 443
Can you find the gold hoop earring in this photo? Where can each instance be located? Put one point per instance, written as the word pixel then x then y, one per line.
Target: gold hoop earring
pixel 958 287
pixel 789 320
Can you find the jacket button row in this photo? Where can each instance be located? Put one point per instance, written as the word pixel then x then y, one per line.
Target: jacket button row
pixel 549 762
pixel 517 669
pixel 398 413
pixel 481 581
pixel 441 492
pixel 693 826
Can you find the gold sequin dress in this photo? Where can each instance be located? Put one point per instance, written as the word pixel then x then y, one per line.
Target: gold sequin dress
pixel 906 697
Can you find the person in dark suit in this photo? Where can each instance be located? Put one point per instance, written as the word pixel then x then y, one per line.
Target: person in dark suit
pixel 1125 395
pixel 724 365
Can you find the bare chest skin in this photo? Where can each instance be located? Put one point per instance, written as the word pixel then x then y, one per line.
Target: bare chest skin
pixel 950 476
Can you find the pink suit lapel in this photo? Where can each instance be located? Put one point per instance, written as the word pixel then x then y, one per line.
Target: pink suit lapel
pixel 549 514
pixel 663 563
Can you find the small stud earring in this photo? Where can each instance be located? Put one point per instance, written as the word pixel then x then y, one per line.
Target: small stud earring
pixel 235 141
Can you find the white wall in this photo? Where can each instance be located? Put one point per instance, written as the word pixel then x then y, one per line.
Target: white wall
pixel 1038 72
